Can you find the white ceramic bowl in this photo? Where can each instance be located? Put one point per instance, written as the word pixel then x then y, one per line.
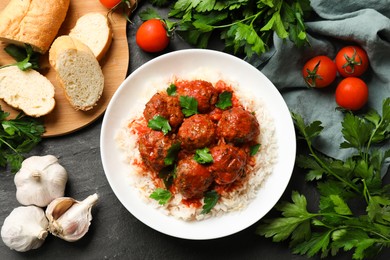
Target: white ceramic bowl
pixel 178 63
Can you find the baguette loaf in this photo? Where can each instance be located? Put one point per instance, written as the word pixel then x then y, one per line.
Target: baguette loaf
pixel 28 91
pixel 94 30
pixel 78 72
pixel 34 22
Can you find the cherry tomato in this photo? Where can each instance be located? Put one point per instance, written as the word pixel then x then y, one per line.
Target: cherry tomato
pixel 351 61
pixel 109 3
pixel 152 36
pixel 319 72
pixel 351 93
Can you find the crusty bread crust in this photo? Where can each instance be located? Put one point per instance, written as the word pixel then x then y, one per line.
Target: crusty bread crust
pixel 78 72
pixel 94 30
pixel 28 91
pixel 35 22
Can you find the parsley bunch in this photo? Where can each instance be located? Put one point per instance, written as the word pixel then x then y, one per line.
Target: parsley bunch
pixel 336 226
pixel 245 26
pixel 17 136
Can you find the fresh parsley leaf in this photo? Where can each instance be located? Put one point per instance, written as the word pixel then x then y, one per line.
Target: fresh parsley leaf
pixel 159 123
pixel 25 57
pixel 189 105
pixel 168 174
pixel 172 154
pixel 203 156
pixel 161 195
pixel 254 149
pixel 17 137
pixel 224 100
pixel 171 90
pixel 210 200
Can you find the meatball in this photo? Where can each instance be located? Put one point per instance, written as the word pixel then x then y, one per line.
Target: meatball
pixel 165 106
pixel 238 126
pixel 197 131
pixel 192 178
pixel 202 91
pixel 229 163
pixel 153 148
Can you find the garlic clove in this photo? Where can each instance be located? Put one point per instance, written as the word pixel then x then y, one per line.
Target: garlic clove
pixel 70 219
pixel 40 180
pixel 25 228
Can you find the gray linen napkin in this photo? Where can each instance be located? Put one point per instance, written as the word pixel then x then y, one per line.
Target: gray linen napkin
pixel 339 23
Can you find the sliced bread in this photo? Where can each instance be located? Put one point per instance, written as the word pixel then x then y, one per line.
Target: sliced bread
pixel 28 91
pixel 94 30
pixel 78 72
pixel 33 22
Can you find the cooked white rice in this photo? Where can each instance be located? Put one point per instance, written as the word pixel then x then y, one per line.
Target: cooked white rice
pixel 236 200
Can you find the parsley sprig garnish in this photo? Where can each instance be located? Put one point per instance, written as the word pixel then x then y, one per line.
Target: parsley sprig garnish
pixel 335 226
pixel 203 156
pixel 224 100
pixel 189 105
pixel 161 195
pixel 159 123
pixel 210 200
pixel 17 137
pixel 245 26
pixel 25 57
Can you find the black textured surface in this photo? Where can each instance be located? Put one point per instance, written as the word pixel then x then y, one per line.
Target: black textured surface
pixel 114 232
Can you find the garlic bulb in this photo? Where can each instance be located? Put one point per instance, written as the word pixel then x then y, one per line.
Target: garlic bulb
pixel 70 219
pixel 25 228
pixel 40 180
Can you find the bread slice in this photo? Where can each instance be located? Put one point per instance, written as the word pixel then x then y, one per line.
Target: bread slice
pixel 78 72
pixel 34 22
pixel 94 30
pixel 28 91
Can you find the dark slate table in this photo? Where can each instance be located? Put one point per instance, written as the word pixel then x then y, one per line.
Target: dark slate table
pixel 114 232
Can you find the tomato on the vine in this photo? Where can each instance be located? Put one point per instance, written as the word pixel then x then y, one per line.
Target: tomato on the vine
pixel 351 61
pixel 319 71
pixel 110 3
pixel 351 93
pixel 152 35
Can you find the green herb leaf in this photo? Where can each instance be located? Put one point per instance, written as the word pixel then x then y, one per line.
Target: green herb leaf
pixel 254 149
pixel 168 174
pixel 159 123
pixel 189 105
pixel 224 100
pixel 172 154
pixel 171 90
pixel 26 58
pixel 161 195
pixel 17 137
pixel 210 200
pixel 203 156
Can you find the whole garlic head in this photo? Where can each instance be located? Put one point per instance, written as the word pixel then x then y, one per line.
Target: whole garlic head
pixel 70 219
pixel 25 228
pixel 40 180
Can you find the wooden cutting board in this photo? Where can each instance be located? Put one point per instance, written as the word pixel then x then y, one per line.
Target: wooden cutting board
pixel 64 119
